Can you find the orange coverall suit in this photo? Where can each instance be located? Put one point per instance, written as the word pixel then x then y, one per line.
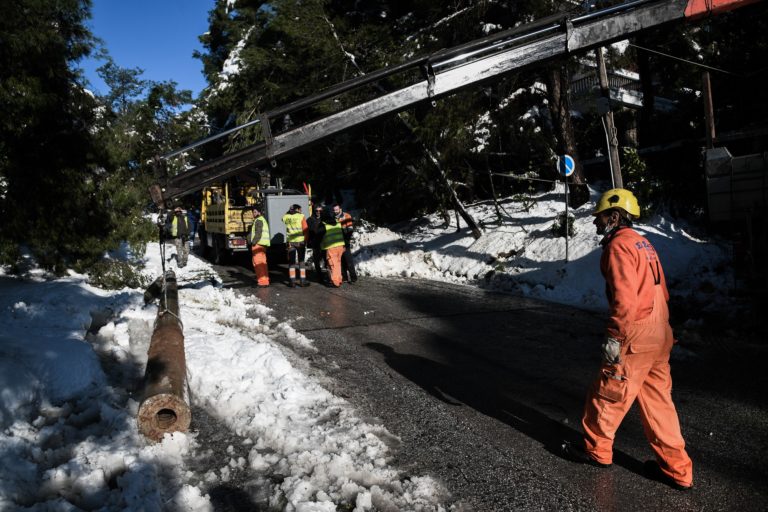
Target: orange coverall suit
pixel 259 239
pixel 639 320
pixel 333 245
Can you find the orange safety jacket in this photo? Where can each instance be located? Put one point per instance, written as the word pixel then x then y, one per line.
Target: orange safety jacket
pixel 631 270
pixel 346 221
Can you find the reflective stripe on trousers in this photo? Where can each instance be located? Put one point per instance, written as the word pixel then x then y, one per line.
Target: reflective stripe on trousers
pixel 645 374
pixel 259 260
pixel 333 259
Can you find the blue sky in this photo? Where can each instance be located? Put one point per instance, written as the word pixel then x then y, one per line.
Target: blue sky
pixel 157 36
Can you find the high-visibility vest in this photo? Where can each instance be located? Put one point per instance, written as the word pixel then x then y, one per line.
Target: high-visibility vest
pixel 265 239
pixel 334 237
pixel 293 227
pixel 175 226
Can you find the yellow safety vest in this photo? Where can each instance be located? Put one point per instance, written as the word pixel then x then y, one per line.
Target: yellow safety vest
pixel 265 239
pixel 293 227
pixel 175 226
pixel 334 237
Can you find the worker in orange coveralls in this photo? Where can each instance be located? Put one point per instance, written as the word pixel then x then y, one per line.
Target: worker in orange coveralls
pixel 259 240
pixel 636 350
pixel 332 242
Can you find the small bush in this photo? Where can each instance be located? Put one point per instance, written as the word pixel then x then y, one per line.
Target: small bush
pixel 114 275
pixel 9 253
pixel 558 227
pixel 526 199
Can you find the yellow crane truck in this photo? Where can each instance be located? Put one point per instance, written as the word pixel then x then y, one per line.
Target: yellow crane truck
pixel 226 217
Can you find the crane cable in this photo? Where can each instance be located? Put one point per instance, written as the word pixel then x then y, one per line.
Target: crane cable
pixel 165 309
pixel 698 64
pixel 161 227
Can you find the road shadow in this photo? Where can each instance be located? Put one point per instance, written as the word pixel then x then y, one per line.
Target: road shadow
pixel 486 384
pixel 529 364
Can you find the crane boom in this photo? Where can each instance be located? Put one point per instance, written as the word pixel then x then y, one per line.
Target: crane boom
pixel 445 72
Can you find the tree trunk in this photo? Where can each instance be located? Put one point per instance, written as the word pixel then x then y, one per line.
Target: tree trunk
pixel 610 127
pixel 645 130
pixel 476 231
pixel 457 204
pixel 560 112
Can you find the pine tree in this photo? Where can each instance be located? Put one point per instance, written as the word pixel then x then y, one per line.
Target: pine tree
pixel 286 50
pixel 48 160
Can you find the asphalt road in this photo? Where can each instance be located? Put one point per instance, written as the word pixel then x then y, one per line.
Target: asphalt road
pixel 482 388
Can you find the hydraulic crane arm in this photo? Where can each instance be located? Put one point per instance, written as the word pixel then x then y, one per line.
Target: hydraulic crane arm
pixel 446 72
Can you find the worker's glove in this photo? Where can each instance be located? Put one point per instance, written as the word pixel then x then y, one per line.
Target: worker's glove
pixel 611 351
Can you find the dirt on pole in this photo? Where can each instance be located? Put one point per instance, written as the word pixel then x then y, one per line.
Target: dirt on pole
pixel 164 408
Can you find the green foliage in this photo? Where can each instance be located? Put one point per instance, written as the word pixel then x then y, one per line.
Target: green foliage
pixel 115 274
pixel 145 119
pixel 526 199
pixel 74 169
pixel 639 181
pixel 559 226
pixel 9 253
pixel 49 159
pixel 288 50
pixel 125 85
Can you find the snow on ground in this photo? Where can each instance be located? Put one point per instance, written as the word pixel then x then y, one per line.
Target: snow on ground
pixel 522 256
pixel 71 358
pixel 69 439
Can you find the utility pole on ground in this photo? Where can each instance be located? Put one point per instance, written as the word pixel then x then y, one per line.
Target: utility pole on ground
pixel 604 109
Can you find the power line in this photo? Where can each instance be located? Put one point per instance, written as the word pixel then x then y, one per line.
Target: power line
pixel 687 61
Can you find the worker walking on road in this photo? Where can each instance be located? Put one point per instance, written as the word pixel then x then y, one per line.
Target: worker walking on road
pixel 318 255
pixel 296 232
pixel 259 240
pixel 348 272
pixel 636 349
pixel 332 242
pixel 177 228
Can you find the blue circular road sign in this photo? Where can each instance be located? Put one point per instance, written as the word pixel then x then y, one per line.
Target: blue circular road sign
pixel 566 165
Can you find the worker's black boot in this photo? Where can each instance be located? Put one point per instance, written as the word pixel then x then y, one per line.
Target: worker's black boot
pixel 652 471
pixel 576 454
pixel 304 283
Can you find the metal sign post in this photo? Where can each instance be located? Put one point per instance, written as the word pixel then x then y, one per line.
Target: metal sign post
pixel 565 166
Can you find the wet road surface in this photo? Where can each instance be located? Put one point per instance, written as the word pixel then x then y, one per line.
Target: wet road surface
pixel 481 388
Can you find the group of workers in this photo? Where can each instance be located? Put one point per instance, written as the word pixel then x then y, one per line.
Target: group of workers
pixel 327 232
pixel 638 338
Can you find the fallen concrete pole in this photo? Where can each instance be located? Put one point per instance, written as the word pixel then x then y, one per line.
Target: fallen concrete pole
pixel 164 408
